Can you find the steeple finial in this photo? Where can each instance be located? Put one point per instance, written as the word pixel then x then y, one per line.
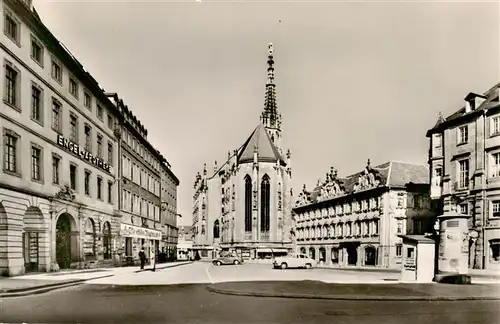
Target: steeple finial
pixel 270 117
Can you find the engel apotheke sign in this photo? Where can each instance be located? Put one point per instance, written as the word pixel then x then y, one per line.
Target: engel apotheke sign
pixel 83 154
pixel 139 232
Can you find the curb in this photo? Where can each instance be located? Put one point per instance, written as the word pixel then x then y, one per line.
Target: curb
pixel 175 265
pixel 26 291
pixel 345 297
pixel 163 268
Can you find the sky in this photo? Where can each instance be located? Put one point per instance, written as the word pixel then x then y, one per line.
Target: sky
pixel 354 80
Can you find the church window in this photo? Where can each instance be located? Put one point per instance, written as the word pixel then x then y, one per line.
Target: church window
pixel 248 204
pixel 264 201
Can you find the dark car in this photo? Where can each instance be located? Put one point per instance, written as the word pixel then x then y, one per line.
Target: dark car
pixel 228 259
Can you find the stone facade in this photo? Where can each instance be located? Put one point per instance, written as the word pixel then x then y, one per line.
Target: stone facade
pixel 58 153
pixel 245 204
pixel 62 149
pixel 464 160
pixel 355 221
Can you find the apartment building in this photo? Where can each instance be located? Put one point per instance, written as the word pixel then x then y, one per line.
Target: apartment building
pixel 58 150
pixel 168 212
pixel 464 160
pixel 140 186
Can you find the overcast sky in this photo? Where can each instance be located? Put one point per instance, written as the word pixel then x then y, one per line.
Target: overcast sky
pixel 354 80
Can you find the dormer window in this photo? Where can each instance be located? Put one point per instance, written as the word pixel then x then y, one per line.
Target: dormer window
pixel 473 101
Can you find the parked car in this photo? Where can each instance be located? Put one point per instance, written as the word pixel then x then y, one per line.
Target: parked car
pixel 228 259
pixel 294 261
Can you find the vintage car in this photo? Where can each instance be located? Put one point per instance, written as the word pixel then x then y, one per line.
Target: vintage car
pixel 294 261
pixel 228 259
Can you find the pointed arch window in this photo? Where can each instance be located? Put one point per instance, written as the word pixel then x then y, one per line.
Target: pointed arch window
pixel 216 229
pixel 265 196
pixel 248 204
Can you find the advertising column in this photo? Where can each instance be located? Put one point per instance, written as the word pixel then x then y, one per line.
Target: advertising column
pixel 453 243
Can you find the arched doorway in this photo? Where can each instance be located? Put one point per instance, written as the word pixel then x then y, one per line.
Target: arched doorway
pixel 312 253
pixel 63 241
pixel 106 241
pixel 322 254
pixel 3 243
pixel 89 244
pixel 370 256
pixel 303 250
pixel 33 228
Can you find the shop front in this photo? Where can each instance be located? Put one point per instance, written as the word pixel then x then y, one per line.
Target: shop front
pixel 135 238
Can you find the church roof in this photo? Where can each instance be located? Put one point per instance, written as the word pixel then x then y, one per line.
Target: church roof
pixel 259 140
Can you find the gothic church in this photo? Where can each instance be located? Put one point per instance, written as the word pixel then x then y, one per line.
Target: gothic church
pixel 245 205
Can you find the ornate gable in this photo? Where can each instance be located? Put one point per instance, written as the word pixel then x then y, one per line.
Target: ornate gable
pixel 369 178
pixel 304 197
pixel 332 187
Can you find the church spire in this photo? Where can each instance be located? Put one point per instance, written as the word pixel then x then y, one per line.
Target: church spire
pixel 270 117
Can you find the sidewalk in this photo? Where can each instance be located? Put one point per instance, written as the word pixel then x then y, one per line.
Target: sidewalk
pixel 382 292
pixel 43 282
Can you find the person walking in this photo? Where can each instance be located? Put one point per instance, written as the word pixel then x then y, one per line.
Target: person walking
pixel 153 259
pixel 142 257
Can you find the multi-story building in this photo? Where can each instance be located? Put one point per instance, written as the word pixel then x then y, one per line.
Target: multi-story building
pixel 356 220
pixel 185 243
pixel 168 212
pixel 464 159
pixel 245 204
pixel 140 189
pixel 58 152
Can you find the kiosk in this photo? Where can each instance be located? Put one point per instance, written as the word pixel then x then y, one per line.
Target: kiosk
pixel 418 258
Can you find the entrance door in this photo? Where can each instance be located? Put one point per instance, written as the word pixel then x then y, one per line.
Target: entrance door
pixel 352 255
pixel 370 256
pixel 63 242
pixel 30 251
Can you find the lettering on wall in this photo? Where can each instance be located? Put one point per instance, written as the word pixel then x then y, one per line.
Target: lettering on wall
pixel 82 154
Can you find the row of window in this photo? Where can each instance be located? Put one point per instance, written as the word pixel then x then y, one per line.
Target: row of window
pixel 11 97
pixel 463 135
pixel 360 228
pixel 12 29
pixel 346 208
pixel 12 154
pixel 141 150
pixel 463 171
pixel 135 204
pixel 140 176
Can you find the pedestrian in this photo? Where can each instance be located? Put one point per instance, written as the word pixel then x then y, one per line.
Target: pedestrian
pixel 153 260
pixel 142 257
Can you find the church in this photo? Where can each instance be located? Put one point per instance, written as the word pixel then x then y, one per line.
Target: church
pixel 244 206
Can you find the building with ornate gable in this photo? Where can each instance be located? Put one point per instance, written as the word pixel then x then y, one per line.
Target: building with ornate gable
pixel 464 160
pixel 355 221
pixel 244 205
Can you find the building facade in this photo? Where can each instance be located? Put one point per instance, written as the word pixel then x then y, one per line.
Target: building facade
pixel 244 205
pixel 185 243
pixel 464 160
pixel 355 221
pixel 59 153
pixel 168 212
pixel 139 188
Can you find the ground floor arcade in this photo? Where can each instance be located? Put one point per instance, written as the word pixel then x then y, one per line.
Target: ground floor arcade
pixel 348 254
pixel 39 234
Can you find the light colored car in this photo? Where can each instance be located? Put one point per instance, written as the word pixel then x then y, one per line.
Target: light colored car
pixel 228 259
pixel 294 261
